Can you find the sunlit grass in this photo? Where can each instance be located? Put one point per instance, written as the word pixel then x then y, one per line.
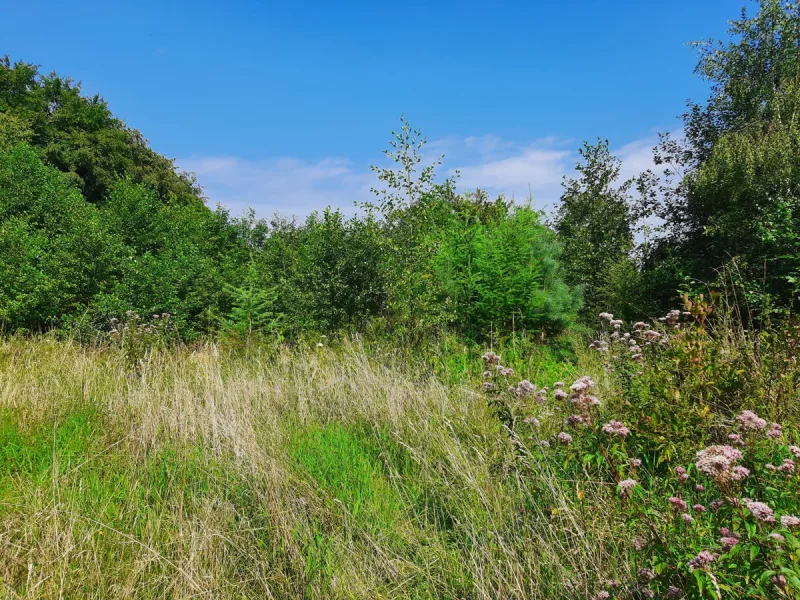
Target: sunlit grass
pixel 284 474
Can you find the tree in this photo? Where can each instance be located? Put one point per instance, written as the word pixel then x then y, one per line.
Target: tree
pixel 253 308
pixel 504 275
pixel 733 171
pixel 411 179
pixel 80 136
pixel 593 223
pixel 748 76
pixel 56 255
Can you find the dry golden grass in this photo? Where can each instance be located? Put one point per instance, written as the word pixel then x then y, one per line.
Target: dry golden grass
pixel 310 473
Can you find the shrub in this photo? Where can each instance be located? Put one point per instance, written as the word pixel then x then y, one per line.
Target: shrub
pixel 56 256
pixel 505 275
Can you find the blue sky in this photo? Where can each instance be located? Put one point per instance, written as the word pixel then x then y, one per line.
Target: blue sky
pixel 283 106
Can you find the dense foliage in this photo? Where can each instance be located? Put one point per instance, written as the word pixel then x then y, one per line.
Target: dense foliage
pixel 421 258
pixel 594 222
pixel 96 224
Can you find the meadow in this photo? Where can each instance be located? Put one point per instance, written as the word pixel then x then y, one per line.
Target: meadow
pixel 353 470
pixel 421 396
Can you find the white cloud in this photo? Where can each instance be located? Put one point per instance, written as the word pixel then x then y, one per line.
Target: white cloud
pixel 286 185
pixel 535 170
pixel 292 186
pixel 637 157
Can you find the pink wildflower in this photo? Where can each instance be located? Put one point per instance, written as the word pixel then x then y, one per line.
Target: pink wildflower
pixel 775 431
pixel 625 487
pixel 728 542
pixel 702 560
pixel 616 428
pixel 677 503
pixel 525 387
pixel 769 467
pixel 564 438
pixel 646 575
pixel 638 542
pixel 581 385
pixel 506 371
pixel 674 593
pixel 532 421
pixel 491 358
pixel 740 472
pixel 776 537
pixel 604 595
pixel 699 508
pixel 558 385
pixel 636 463
pixel 574 420
pixel 795 450
pixel 700 487
pixel 790 521
pixel 760 510
pixel 560 394
pixel 488 385
pixel 750 421
pixel 716 504
pixel 787 466
pixel 736 439
pixel 680 474
pixel 717 462
pixel 687 518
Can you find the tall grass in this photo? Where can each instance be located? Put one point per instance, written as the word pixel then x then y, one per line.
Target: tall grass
pixel 303 473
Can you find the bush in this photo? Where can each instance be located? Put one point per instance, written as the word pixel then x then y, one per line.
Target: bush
pixel 672 426
pixel 505 275
pixel 56 256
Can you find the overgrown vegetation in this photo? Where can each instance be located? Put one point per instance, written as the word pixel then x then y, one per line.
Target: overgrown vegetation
pixel 426 400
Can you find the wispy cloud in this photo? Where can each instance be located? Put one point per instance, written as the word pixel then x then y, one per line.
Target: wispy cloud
pixel 534 170
pixel 292 186
pixel 283 185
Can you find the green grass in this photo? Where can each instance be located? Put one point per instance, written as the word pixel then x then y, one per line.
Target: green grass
pixel 348 464
pixel 324 473
pixel 31 453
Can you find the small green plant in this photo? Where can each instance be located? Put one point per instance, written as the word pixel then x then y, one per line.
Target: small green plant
pixel 252 314
pixel 136 338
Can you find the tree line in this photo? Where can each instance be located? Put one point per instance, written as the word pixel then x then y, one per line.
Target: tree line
pixel 94 223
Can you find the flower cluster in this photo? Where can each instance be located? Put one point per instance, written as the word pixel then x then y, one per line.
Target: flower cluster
pixel 616 428
pixel 564 438
pixel 625 487
pixel 581 397
pixel 750 421
pixel 719 463
pixel 760 510
pixel 702 560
